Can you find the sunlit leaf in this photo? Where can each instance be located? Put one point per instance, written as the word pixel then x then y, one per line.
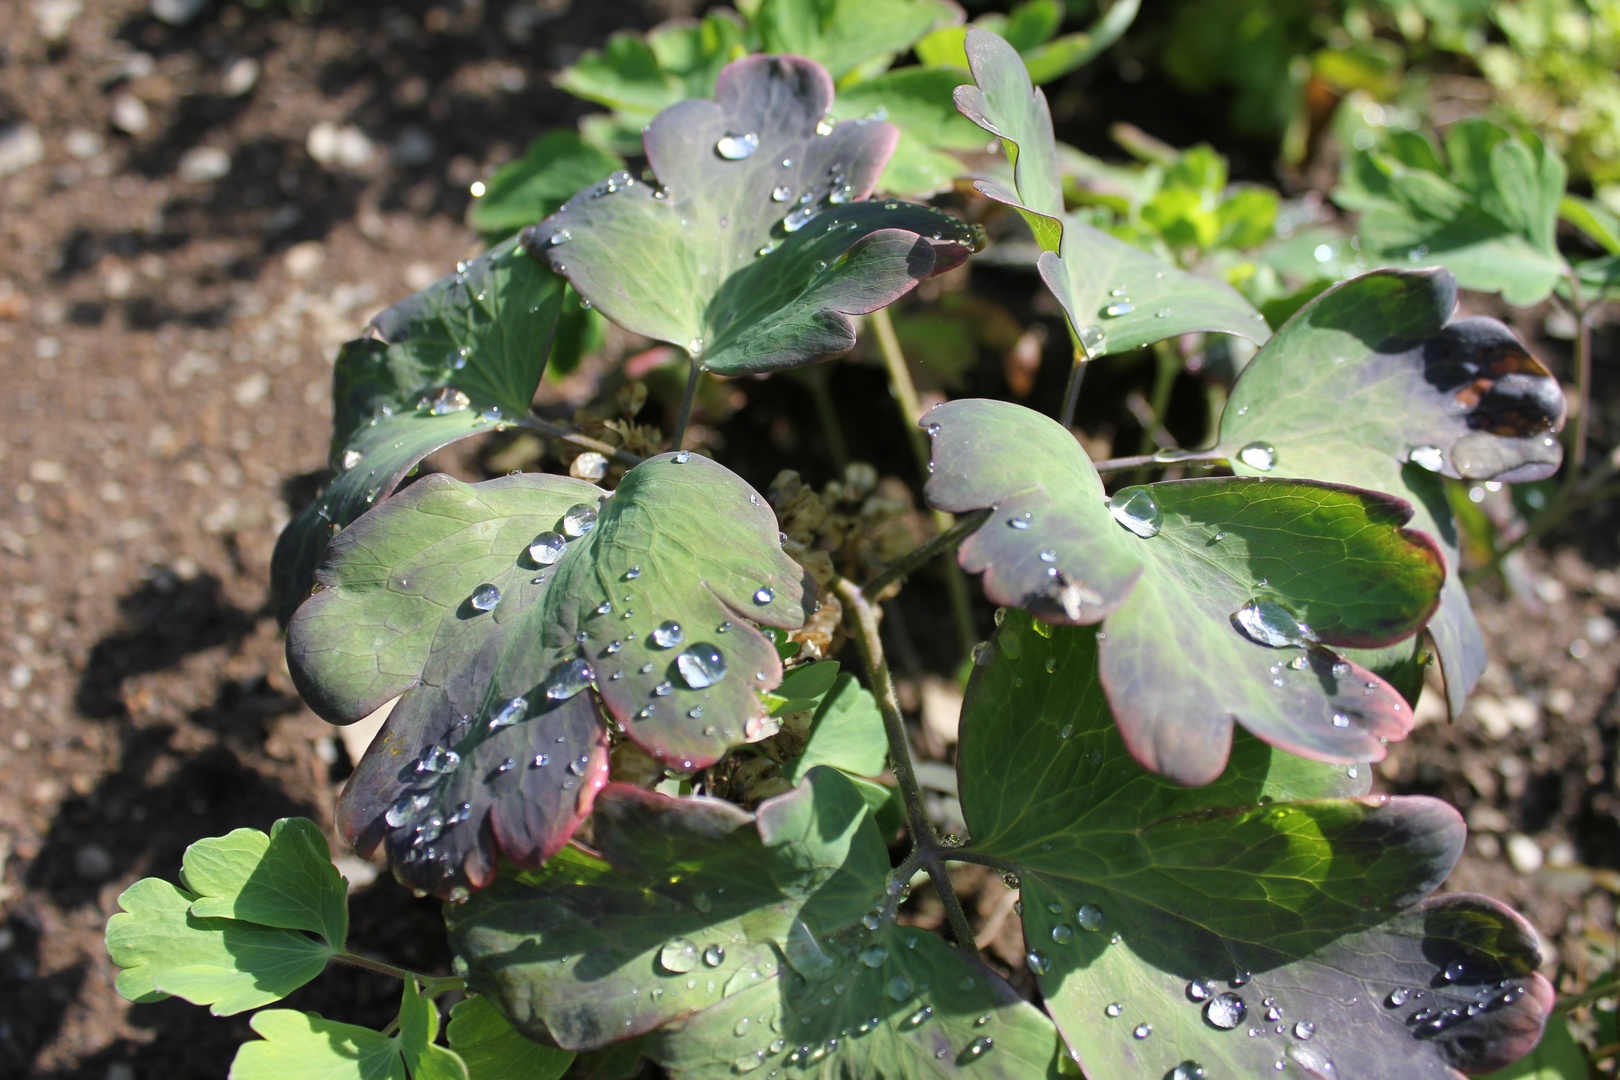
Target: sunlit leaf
pixel 841 35
pixel 306 1046
pixel 1220 599
pixel 1117 297
pixel 285 879
pixel 447 363
pixel 493 1051
pixel 494 607
pixel 521 192
pixel 1278 915
pixel 738 943
pixel 754 245
pixel 1374 383
pixel 229 965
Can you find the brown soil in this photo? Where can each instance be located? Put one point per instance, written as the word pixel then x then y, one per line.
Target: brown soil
pixel 166 344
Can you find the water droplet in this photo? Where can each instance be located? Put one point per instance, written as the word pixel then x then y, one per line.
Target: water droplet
pixel 798 218
pixel 871 920
pixel 826 125
pixel 898 987
pixel 1304 1029
pixel 439 760
pixel 1431 458
pixel 579 520
pixel 764 595
pixel 678 955
pixel 568 679
pixel 541 761
pixel 351 458
pixel 547 548
pixel 405 810
pixel 1090 917
pixel 561 236
pixel 918 1018
pixel 1225 1011
pixel 1114 1009
pixel 1187 1070
pixel 748 1062
pixel 1162 313
pixel 1066 730
pixel 663 689
pixel 1113 311
pixel 1038 962
pixel 1398 997
pixel 1062 933
pixel 873 956
pixel 485 597
pixel 1340 720
pixel 1199 990
pixel 445 400
pixel 1134 508
pixel 735 147
pixel 510 713
pixel 979 1047
pixel 1142 1031
pixel 1259 455
pixel 1094 340
pixel 667 635
pixel 701 666
pixel 506 765
pixel 1456 971
pixel 714 955
pixel 1266 622
pixel 1352 772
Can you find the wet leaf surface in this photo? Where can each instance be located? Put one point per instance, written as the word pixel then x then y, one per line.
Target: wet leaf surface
pixel 738 943
pixel 1278 914
pixel 753 245
pixel 1374 383
pixel 447 363
pixel 1117 297
pixel 1220 599
pixel 495 607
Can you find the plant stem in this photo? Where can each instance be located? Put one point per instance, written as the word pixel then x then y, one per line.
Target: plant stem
pixel 1583 378
pixel 972 856
pixel 925 843
pixel 1120 464
pixel 431 984
pixel 683 417
pixel 1071 392
pixel 393 1026
pixel 1586 997
pixel 837 449
pixel 558 431
pixel 938 545
pixel 905 395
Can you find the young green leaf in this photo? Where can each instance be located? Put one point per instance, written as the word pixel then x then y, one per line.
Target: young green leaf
pixel 521 192
pixel 300 1044
pixel 494 1051
pixel 1277 919
pixel 1374 384
pixel 285 879
pixel 803 688
pixel 493 608
pixel 1117 297
pixel 682 929
pixel 229 965
pixel 846 733
pixel 1220 598
pixel 755 244
pixel 918 102
pixel 442 365
pixel 842 35
pixel 1487 210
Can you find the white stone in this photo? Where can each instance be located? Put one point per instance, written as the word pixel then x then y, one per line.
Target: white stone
pixel 129 113
pixel 177 12
pixel 20 147
pixel 1523 853
pixel 55 18
pixel 240 77
pixel 82 144
pixel 204 165
pixel 304 259
pixel 346 146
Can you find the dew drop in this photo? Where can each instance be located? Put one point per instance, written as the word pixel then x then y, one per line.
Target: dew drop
pixel 898 987
pixel 568 679
pixel 667 635
pixel 1187 1070
pixel 1304 1029
pixel 485 597
pixel 405 810
pixel 1266 622
pixel 1142 1031
pixel 764 595
pixel 510 713
pixel 579 520
pixel 979 1047
pixel 781 194
pixel 798 218
pixel 1225 1011
pixel 714 955
pixel 1113 311
pixel 1094 340
pixel 439 760
pixel 679 955
pixel 1062 933
pixel 1134 508
pixel 1090 917
pixel 1398 997
pixel 1431 458
pixel 1259 455
pixel 735 147
pixel 547 548
pixel 1199 990
pixel 1114 1009
pixel 701 666
pixel 1038 962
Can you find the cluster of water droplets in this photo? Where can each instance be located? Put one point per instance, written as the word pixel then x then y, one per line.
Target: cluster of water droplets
pixel 1430 1017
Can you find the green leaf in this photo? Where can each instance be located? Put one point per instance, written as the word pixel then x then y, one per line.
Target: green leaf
pixel 285 879
pixel 1176 570
pixel 1116 296
pixel 1054 59
pixel 494 1051
pixel 1600 226
pixel 447 363
pixel 842 35
pixel 682 933
pixel 229 965
pixel 521 192
pixel 494 723
pixel 303 1046
pixel 803 688
pixel 846 733
pixel 748 263
pixel 918 102
pixel 1556 1057
pixel 1374 384
pixel 1280 885
pixel 1488 211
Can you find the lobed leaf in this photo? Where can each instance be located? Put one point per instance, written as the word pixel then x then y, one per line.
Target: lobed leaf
pixel 755 244
pixel 1178 571
pixel 285 879
pixel 846 733
pixel 496 744
pixel 1373 383
pixel 843 35
pixel 1116 296
pixel 483 1039
pixel 1277 918
pixel 300 1044
pixel 442 365
pixel 734 942
pixel 227 964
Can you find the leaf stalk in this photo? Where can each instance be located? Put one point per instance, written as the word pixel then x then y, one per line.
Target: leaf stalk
pixel 919 556
pixel 568 435
pixel 684 417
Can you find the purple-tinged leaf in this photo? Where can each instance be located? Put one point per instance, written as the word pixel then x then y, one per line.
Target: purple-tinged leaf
pixel 754 244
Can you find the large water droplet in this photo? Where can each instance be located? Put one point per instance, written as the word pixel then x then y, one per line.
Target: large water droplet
pixel 446 400
pixel 1090 917
pixel 678 955
pixel 701 666
pixel 1062 933
pixel 1114 1009
pixel 1187 1070
pixel 1266 622
pixel 735 147
pixel 764 595
pixel 1038 962
pixel 1304 1029
pixel 1398 997
pixel 667 635
pixel 579 520
pixel 714 955
pixel 874 955
pixel 1142 1031
pixel 547 548
pixel 1094 340
pixel 405 810
pixel 1199 990
pixel 1114 311
pixel 1225 1011
pixel 798 218
pixel 1431 458
pixel 439 760
pixel 1259 455
pixel 568 679
pixel 510 713
pixel 979 1047
pixel 351 458
pixel 781 194
pixel 898 987
pixel 1134 508
pixel 485 597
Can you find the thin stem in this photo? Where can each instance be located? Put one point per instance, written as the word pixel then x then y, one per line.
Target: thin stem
pixel 558 431
pixel 1586 997
pixel 961 930
pixel 379 966
pixel 1071 391
pixel 683 417
pixel 393 1026
pixel 827 412
pixel 1167 365
pixel 970 855
pixel 1583 377
pixel 1137 461
pixel 938 545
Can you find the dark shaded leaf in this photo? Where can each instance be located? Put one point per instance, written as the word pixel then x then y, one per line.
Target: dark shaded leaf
pixel 704 257
pixel 1374 384
pixel 495 742
pixel 681 931
pixel 1117 297
pixel 285 879
pixel 1179 668
pixel 842 35
pixel 493 1051
pixel 1281 884
pixel 449 362
pixel 521 192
